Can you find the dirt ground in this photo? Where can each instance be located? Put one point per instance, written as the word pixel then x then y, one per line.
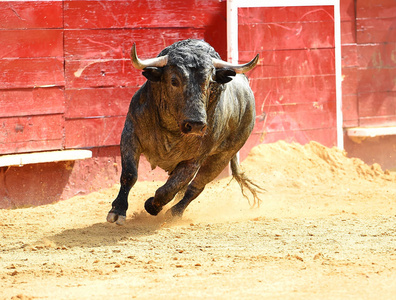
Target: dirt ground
pixel 326 229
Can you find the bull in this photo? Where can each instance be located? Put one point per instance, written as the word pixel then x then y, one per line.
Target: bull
pixel 190 118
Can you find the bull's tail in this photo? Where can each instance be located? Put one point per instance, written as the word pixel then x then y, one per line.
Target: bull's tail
pixel 245 182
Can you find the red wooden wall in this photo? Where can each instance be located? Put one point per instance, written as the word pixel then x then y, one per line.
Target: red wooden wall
pixel 31 76
pixel 294 83
pixel 65 73
pixel 66 79
pixel 369 62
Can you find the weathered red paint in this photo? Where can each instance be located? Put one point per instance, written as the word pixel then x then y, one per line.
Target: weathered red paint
pixel 31 14
pixel 294 84
pixel 31 72
pixel 117 43
pixel 98 102
pixel 33 101
pixel 35 43
pixel 142 14
pixel 93 132
pixel 379 104
pixel 285 15
pixel 20 134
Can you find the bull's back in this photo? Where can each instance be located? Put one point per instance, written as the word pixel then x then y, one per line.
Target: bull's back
pixel 235 115
pixel 240 98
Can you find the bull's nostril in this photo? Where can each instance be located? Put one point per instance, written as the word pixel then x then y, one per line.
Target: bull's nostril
pixel 193 127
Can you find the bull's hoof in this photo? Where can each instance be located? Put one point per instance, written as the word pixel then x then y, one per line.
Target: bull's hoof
pixel 111 217
pixel 150 208
pixel 121 220
pixel 116 217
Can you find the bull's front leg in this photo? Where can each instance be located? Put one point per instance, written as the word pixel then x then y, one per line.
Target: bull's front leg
pixel 130 160
pixel 178 179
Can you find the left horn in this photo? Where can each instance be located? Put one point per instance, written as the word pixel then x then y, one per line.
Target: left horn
pixel 218 63
pixel 151 62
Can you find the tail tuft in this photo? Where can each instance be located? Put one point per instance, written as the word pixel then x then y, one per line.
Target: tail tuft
pixel 245 182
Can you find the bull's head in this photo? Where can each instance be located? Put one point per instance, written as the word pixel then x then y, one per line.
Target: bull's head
pixel 186 83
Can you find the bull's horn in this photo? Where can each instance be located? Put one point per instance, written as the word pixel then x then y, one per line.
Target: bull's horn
pixel 218 63
pixel 151 62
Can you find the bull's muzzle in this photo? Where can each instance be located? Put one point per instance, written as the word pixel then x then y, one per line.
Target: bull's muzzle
pixel 193 127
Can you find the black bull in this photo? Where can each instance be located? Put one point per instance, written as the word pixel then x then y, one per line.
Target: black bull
pixel 190 118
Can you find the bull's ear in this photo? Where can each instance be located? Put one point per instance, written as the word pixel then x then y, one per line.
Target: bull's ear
pixel 152 73
pixel 223 75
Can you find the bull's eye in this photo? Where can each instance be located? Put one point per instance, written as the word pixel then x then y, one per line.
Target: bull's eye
pixel 174 82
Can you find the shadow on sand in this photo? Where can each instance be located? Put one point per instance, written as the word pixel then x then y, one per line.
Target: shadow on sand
pixel 107 234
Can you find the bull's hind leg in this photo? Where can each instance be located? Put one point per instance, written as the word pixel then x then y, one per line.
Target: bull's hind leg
pixel 178 179
pixel 209 170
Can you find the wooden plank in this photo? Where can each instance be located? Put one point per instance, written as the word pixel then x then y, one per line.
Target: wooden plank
pixel 35 133
pixel 32 128
pixel 294 89
pixel 288 104
pixel 30 146
pixel 378 121
pixel 280 15
pixel 28 102
pixel 97 132
pixel 83 103
pixel 102 73
pixel 142 14
pixel 31 43
pixel 282 37
pixel 377 104
pixel 369 9
pixel 307 62
pixel 303 108
pixel 117 43
pixel 375 80
pixel 350 123
pixel 43 157
pixel 298 117
pixel 376 30
pixel 371 132
pixel 377 55
pixel 35 72
pixel 31 14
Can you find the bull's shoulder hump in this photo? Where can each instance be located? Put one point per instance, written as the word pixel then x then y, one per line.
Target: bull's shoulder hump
pixel 239 86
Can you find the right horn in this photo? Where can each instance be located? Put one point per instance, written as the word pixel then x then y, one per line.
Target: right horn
pixel 218 63
pixel 151 62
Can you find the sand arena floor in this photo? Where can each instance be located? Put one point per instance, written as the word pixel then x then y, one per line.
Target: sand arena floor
pixel 326 229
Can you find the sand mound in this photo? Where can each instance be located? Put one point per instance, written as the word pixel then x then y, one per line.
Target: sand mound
pixel 296 178
pixel 313 163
